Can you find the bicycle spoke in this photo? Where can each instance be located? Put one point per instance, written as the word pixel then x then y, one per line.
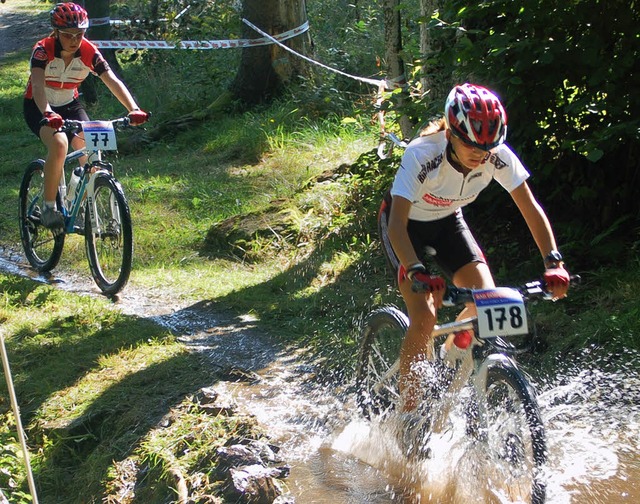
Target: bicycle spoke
pixel 41 247
pixel 109 243
pixel 378 366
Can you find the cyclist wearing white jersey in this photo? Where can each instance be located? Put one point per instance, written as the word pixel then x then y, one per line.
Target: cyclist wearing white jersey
pixel 442 171
pixel 59 64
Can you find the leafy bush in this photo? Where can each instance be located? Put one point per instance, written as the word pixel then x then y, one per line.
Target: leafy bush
pixel 567 75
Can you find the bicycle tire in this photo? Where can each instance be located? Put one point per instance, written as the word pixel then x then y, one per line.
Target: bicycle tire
pixel 381 337
pixel 42 248
pixel 110 247
pixel 514 430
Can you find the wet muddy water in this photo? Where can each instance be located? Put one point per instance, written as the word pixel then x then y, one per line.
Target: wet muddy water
pixel 591 410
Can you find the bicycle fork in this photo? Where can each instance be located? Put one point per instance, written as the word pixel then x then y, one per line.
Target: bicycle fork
pixel 479 381
pixel 91 204
pixel 463 367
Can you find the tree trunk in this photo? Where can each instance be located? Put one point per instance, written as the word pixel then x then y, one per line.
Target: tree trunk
pixel 265 69
pixel 433 78
pixel 98 11
pixel 394 64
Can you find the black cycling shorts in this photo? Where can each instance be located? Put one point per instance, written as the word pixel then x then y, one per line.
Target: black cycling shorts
pixel 33 116
pixel 448 242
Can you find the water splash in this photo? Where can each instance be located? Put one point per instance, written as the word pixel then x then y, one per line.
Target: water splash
pixel 591 411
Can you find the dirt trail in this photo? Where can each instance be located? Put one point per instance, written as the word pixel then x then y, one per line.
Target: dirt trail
pixel 22 24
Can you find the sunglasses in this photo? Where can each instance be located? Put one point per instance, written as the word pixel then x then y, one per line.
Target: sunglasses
pixel 71 35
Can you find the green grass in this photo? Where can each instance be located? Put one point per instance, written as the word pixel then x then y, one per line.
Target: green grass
pixel 94 384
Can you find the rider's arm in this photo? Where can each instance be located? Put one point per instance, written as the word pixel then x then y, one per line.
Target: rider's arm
pixel 38 87
pixel 119 90
pixel 403 248
pixel 539 225
pixel 398 235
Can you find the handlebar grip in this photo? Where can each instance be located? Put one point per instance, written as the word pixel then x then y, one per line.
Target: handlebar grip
pixel 457 295
pixel 573 280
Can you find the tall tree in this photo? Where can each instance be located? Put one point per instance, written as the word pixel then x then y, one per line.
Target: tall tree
pixel 435 79
pixel 100 29
pixel 394 64
pixel 264 69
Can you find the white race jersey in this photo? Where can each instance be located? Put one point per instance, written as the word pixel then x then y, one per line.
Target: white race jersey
pixel 437 189
pixel 62 81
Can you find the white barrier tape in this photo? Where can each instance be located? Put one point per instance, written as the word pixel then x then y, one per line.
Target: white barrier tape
pixel 201 44
pixel 376 82
pixel 99 21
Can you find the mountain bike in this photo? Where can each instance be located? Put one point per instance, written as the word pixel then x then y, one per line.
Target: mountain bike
pixel 96 208
pixel 480 378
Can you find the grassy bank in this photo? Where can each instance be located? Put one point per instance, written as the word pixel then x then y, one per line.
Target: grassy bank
pixel 269 212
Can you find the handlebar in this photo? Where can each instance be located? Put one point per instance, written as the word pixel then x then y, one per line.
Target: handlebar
pixel 72 125
pixel 531 290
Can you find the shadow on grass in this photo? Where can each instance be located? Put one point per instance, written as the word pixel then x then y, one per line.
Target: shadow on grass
pixel 92 388
pixel 81 454
pixel 326 317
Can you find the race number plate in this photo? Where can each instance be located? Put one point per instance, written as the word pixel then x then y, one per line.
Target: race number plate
pixel 501 312
pixel 99 135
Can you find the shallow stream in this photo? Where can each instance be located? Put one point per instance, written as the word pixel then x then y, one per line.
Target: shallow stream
pixel 591 409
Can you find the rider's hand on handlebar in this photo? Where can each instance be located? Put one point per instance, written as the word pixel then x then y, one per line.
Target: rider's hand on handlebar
pixel 556 281
pixel 422 281
pixel 138 117
pixel 52 120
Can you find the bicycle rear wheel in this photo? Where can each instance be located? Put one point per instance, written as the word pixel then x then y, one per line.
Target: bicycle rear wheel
pixel 377 371
pixel 109 246
pixel 42 248
pixel 514 433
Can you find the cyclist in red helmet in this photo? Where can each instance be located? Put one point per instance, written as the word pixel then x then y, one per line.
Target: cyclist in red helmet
pixel 442 171
pixel 59 64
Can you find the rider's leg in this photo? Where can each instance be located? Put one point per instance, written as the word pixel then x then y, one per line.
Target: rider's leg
pixel 473 275
pixel 57 145
pixel 417 345
pixel 77 142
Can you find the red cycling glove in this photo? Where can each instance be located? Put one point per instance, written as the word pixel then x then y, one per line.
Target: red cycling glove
pixel 556 277
pixel 138 117
pixel 421 281
pixel 53 120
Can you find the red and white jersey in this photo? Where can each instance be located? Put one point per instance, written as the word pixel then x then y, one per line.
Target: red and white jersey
pixel 62 81
pixel 437 189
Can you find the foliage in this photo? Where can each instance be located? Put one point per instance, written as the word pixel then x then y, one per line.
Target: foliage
pixel 12 470
pixel 566 74
pixel 174 21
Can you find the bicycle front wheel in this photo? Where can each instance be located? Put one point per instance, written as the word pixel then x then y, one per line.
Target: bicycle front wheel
pixel 109 244
pixel 378 361
pixel 42 248
pixel 515 433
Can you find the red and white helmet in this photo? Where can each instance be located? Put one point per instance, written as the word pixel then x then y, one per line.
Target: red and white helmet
pixel 475 115
pixel 69 15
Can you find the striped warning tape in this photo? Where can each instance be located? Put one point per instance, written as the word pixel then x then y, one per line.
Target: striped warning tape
pixel 383 84
pixel 201 44
pixel 99 21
